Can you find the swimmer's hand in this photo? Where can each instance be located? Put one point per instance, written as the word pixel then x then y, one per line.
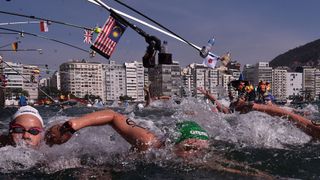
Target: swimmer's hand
pixel 203 91
pixel 243 106
pixel 59 134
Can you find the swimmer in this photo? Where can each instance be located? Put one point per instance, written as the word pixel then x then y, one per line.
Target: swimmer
pixel 193 139
pixel 308 126
pixel 27 127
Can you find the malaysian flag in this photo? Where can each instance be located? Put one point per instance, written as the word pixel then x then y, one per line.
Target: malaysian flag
pixel 87 36
pixel 109 36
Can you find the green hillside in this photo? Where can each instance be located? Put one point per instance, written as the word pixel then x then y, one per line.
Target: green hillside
pixel 306 55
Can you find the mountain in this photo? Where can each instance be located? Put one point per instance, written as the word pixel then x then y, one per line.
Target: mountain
pixel 306 55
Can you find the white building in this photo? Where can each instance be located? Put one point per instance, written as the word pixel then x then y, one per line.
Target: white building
pixel 115 81
pixel 19 76
pixel 293 84
pixel 44 82
pixel 13 72
pixel 135 80
pixel 83 78
pixel 259 72
pixel 279 83
pixel 187 81
pixel 308 82
pixel 200 76
pixel 55 80
pixel 317 84
pixel 31 81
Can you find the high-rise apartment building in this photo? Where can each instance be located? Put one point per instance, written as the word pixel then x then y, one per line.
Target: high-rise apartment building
pixel 13 73
pixel 55 80
pixel 19 76
pixel 165 80
pixel 249 73
pixel 308 82
pixel 200 76
pixel 279 83
pixel 187 81
pixel 83 78
pixel 115 80
pixel 317 84
pixel 294 84
pixel 31 80
pixel 259 72
pixel 135 80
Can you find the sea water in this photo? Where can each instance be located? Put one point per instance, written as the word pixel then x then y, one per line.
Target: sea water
pixel 242 146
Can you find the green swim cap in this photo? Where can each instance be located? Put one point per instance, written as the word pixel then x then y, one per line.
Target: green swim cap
pixel 191 130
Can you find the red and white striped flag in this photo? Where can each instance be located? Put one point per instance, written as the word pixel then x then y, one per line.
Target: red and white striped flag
pixel 44 26
pixel 87 36
pixel 109 36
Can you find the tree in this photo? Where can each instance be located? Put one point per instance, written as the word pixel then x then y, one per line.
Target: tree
pixel 125 97
pixel 15 92
pixel 51 91
pixel 25 93
pixel 91 97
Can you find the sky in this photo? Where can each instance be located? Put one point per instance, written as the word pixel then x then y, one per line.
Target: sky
pixel 251 30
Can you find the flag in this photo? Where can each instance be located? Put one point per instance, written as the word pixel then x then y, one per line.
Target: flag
pixel 44 26
pixel 210 61
pixel 109 36
pixel 14 46
pixel 225 59
pixel 87 36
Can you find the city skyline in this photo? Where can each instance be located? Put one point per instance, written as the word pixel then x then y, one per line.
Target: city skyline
pixel 251 31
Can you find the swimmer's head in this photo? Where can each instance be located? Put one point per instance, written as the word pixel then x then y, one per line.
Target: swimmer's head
pixel 28 110
pixel 26 126
pixel 193 139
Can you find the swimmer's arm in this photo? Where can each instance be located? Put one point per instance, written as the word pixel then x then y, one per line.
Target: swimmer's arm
pixel 220 107
pixel 139 137
pixel 300 121
pixel 274 111
pixel 147 96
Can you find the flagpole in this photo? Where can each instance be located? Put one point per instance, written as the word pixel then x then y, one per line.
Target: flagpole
pixel 15 23
pixel 48 20
pixel 143 15
pixel 7 33
pixel 8 45
pixel 21 50
pixel 102 4
pixel 44 37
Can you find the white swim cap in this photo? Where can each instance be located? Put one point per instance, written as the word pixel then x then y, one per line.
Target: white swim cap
pixel 28 110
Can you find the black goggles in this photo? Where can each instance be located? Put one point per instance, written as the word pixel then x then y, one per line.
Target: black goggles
pixel 19 129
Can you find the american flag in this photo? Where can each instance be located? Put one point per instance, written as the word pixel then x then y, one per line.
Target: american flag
pixel 87 36
pixel 109 36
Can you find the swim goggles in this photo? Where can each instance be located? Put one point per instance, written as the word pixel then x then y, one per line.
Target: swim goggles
pixel 19 129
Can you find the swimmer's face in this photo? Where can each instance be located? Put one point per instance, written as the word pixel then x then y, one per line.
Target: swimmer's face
pixel 26 129
pixel 191 148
